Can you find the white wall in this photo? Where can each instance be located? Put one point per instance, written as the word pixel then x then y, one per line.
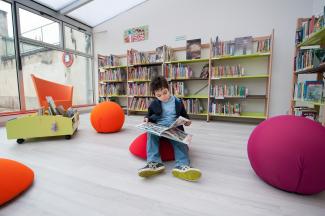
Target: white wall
pixel 318 7
pixel 209 18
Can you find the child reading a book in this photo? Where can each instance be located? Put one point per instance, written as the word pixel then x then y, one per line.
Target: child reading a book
pixel 164 110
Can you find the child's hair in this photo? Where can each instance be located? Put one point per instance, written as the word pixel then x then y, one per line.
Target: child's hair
pixel 158 83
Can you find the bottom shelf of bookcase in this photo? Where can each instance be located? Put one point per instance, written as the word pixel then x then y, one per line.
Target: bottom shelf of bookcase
pixel 248 115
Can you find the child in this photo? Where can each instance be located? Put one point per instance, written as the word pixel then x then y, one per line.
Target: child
pixel 164 110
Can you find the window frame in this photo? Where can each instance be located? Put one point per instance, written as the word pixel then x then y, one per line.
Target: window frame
pixel 63 20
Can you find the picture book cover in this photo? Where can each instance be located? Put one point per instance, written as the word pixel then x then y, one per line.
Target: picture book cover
pixel 193 49
pixel 244 45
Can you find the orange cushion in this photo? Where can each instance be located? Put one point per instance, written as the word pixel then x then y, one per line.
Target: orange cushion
pixel 107 117
pixel 15 178
pixel 139 148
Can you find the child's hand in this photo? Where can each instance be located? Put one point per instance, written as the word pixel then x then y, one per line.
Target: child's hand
pixel 146 120
pixel 188 123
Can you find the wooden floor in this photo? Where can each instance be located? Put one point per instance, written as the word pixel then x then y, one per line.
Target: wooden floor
pixel 95 175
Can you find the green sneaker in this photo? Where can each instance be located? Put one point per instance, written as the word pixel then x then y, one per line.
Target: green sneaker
pixel 151 168
pixel 186 173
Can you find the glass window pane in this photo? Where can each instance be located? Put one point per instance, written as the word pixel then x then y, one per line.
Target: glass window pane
pixel 9 97
pixel 39 28
pixel 77 40
pixel 49 64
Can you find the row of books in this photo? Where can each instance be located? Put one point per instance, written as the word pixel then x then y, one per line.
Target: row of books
pixel 179 71
pixel 177 88
pixel 111 89
pixel 111 60
pixel 141 89
pixel 263 46
pixel 116 74
pixel 310 91
pixel 308 27
pixel 309 58
pixel 227 70
pixel 142 73
pixel 306 112
pixel 193 106
pixel 224 108
pixel 221 91
pixel 240 46
pixel 139 103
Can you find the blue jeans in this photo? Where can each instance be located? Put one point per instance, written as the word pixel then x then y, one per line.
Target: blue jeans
pixel 180 150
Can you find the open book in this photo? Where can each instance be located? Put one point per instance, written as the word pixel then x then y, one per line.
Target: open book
pixel 171 132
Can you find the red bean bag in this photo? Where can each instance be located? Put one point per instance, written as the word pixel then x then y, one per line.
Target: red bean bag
pixel 139 148
pixel 107 117
pixel 288 152
pixel 15 178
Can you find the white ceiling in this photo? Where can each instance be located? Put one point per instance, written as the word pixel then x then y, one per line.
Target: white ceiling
pixel 95 11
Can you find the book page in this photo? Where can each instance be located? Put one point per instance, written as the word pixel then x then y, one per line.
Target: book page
pixel 179 121
pixel 178 135
pixel 152 128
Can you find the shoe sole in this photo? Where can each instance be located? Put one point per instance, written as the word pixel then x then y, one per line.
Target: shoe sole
pixel 190 175
pixel 148 173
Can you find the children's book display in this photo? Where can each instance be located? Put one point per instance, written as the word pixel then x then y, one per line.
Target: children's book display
pixel 56 121
pixel 171 132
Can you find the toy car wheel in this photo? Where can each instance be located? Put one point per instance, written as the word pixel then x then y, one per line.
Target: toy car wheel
pixel 20 141
pixel 67 137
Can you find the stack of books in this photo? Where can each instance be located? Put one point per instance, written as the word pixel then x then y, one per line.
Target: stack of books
pixel 307 112
pixel 310 91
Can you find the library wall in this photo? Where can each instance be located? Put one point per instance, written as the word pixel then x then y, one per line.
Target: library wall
pixel 228 19
pixel 318 6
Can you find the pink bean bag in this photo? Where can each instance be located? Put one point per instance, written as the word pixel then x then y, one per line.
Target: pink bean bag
pixel 288 152
pixel 139 148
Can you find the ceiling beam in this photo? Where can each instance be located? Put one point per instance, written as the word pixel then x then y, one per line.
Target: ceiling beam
pixel 73 6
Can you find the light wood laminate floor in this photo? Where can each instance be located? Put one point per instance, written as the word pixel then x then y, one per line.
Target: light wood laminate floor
pixel 95 175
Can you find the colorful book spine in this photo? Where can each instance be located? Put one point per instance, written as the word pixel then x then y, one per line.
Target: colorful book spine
pixel 138 89
pixel 141 73
pixel 180 71
pixel 108 89
pixel 193 106
pixel 116 74
pixel 140 104
pixel 227 71
pixel 222 91
pixel 227 108
pixel 177 88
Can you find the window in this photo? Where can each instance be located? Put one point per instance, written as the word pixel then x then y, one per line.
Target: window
pixel 77 40
pixel 47 63
pixel 39 28
pixel 9 96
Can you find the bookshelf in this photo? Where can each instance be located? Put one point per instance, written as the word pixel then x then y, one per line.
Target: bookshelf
pixel 308 93
pixel 246 76
pixel 141 68
pixel 112 79
pixel 187 80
